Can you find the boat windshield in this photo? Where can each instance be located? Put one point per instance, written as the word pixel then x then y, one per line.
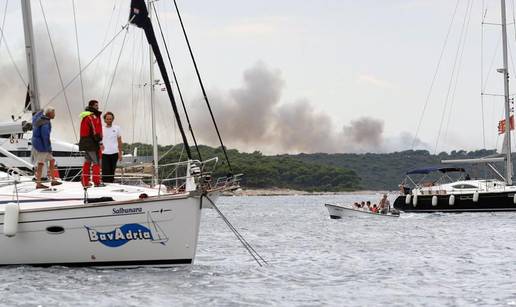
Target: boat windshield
pixel 432 176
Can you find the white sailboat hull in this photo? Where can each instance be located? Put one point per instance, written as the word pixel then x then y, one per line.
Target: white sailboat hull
pixel 155 231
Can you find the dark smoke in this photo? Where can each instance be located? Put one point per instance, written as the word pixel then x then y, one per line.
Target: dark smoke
pixel 12 90
pixel 253 118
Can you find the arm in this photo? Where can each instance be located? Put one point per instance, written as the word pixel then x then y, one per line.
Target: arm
pixel 45 137
pixel 119 139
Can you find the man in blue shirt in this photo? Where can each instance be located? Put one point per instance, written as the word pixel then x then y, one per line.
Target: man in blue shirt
pixel 42 147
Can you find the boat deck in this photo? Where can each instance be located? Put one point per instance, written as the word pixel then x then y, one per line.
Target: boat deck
pixel 71 194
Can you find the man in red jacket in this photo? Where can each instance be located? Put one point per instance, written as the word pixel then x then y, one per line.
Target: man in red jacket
pixel 91 143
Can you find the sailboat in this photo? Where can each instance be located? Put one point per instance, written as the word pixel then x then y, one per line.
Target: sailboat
pixel 464 194
pixel 112 226
pixel 15 136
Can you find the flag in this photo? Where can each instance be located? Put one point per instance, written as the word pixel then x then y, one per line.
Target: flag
pixel 501 125
pixel 139 16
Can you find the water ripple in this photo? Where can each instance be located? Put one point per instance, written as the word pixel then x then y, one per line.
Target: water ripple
pixel 416 260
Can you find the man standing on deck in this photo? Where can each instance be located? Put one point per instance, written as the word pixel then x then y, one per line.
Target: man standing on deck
pixel 42 147
pixel 91 143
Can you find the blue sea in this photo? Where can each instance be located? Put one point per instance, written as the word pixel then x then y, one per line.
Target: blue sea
pixel 414 260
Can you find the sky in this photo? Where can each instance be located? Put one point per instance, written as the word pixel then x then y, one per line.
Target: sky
pixel 283 76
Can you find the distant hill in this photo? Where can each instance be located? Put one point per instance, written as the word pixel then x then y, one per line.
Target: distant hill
pixel 321 171
pixel 385 171
pixel 261 171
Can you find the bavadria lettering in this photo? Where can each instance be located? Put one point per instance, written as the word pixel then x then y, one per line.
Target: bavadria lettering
pixel 120 235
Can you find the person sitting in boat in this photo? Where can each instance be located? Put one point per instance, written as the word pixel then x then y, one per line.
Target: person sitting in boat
pixel 374 209
pixel 362 204
pixel 404 190
pixel 384 204
pixel 356 205
pixel 368 204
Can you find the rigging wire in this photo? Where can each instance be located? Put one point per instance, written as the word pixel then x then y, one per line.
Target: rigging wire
pixel 484 13
pixel 511 99
pixel 59 71
pixel 513 19
pixel 427 100
pixel 256 256
pixel 78 51
pixel 4 17
pixel 106 33
pixel 106 101
pixel 18 72
pixel 110 56
pixel 498 44
pixel 202 86
pixel 133 63
pixel 468 6
pixel 87 65
pixel 459 71
pixel 141 76
pixel 177 83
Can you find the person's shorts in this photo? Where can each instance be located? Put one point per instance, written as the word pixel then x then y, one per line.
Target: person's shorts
pixel 42 157
pixel 92 156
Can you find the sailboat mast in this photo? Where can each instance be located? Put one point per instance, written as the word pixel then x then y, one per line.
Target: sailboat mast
pixel 30 55
pixel 505 69
pixel 155 173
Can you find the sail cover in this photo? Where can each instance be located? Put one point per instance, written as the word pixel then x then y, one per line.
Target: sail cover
pixel 139 16
pixel 428 170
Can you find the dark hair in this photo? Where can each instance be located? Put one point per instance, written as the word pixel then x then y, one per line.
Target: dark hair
pixel 109 113
pixel 91 103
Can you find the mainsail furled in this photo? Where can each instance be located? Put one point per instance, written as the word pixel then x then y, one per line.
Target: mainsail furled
pixel 139 16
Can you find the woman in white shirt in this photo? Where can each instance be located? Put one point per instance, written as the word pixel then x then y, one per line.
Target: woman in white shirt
pixel 112 151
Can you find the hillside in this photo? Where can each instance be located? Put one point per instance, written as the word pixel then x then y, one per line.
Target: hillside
pixel 321 171
pixel 261 171
pixel 385 171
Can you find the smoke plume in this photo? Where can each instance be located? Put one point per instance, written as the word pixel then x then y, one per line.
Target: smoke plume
pixel 253 117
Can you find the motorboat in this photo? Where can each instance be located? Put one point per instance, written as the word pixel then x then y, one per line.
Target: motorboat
pixel 341 211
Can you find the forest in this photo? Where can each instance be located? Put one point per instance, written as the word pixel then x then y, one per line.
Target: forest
pixel 318 172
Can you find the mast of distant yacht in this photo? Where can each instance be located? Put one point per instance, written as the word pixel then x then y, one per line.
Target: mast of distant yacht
pixel 30 55
pixel 155 173
pixel 505 71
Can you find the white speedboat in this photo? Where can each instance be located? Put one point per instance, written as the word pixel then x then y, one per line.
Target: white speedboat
pixel 340 211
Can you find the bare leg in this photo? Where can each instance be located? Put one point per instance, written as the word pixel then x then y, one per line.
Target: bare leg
pixel 51 169
pixel 39 169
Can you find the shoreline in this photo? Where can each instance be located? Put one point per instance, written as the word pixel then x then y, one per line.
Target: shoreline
pixel 290 192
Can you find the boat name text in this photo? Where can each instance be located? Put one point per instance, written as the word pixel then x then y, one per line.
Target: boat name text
pixel 117 211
